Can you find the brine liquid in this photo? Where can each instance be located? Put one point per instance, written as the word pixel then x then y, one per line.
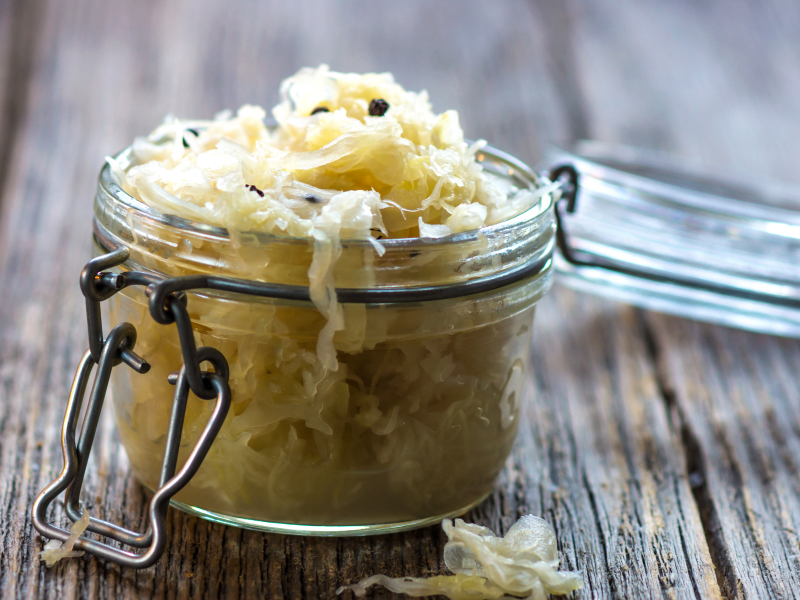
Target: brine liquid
pixel 417 420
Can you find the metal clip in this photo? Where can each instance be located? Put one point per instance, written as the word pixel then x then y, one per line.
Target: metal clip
pixel 568 175
pixel 76 456
pixel 97 288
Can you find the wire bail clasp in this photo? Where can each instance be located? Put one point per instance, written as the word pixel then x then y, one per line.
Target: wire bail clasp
pixel 76 446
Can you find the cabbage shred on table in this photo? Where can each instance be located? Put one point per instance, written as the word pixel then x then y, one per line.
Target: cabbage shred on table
pixel 330 171
pixel 523 563
pixel 56 550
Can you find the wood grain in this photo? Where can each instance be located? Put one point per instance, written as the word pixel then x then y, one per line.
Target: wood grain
pixel 737 398
pixel 602 461
pixel 663 451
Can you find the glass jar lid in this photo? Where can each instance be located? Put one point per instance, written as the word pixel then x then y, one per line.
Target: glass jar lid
pixel 646 229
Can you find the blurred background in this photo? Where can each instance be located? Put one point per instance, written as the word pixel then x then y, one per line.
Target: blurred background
pixel 716 81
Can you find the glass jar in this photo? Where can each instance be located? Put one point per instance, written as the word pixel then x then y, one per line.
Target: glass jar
pixel 420 415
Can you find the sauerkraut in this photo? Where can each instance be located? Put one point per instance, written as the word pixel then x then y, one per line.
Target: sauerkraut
pixel 342 414
pixel 329 171
pixel 56 550
pixel 407 166
pixel 417 421
pixel 523 563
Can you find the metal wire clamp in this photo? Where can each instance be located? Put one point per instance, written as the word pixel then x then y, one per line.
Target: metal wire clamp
pixel 76 446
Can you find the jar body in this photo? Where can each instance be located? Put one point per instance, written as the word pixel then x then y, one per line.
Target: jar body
pixel 419 416
pixel 415 424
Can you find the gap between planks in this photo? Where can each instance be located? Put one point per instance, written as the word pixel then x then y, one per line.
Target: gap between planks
pixel 695 464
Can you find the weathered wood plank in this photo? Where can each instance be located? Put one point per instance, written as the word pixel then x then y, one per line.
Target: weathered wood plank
pixel 716 82
pixel 603 461
pixel 739 403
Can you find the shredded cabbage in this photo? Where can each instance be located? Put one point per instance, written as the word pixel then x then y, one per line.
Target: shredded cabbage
pixel 55 550
pixel 457 587
pixel 524 563
pixel 342 414
pixel 333 175
pixel 417 421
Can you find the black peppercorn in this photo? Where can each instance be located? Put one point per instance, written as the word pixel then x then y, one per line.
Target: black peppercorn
pixel 313 199
pixel 320 109
pixel 378 107
pixel 253 188
pixel 194 131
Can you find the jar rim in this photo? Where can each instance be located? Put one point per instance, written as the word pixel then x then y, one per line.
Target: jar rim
pixel 518 247
pixel 515 168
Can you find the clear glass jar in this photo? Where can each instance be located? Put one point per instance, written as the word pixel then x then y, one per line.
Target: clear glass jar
pixel 420 416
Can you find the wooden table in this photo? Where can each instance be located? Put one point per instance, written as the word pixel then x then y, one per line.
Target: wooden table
pixel 665 452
